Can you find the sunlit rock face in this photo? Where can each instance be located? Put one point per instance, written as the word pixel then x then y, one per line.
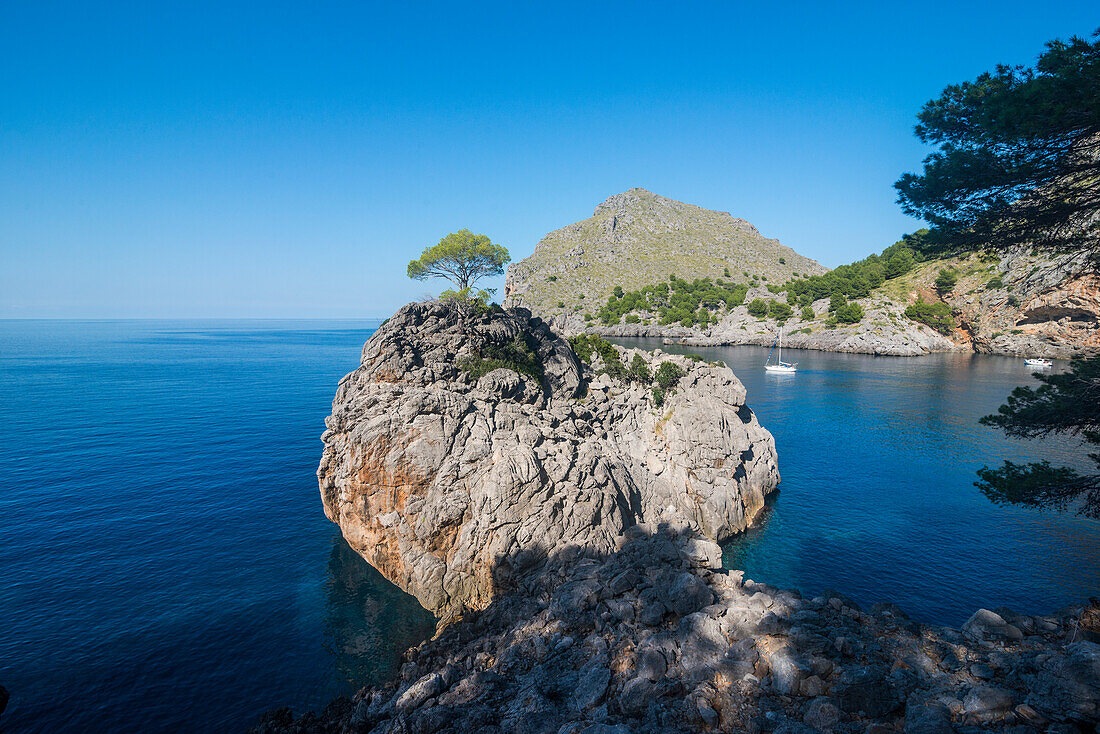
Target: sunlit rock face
pixel 457 488
pixel 1050 306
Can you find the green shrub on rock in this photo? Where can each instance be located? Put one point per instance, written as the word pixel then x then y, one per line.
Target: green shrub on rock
pixel 937 315
pixel 850 313
pixel 808 313
pixel 658 396
pixel 517 355
pixel 758 308
pixel 946 280
pixel 780 311
pixel 589 346
pixel 668 374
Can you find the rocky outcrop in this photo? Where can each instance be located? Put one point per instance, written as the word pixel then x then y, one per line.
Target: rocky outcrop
pixel 654 637
pixel 535 502
pixel 1047 306
pixel 460 478
pixel 638 238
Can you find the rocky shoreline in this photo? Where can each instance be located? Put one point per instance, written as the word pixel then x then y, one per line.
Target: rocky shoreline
pixel 562 516
pixel 913 340
pixel 655 637
pixel 1048 306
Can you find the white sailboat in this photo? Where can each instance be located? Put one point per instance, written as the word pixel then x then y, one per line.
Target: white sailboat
pixel 1038 362
pixel 780 365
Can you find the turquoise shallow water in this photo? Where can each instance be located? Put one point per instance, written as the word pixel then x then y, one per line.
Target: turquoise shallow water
pixel 165 564
pixel 878 458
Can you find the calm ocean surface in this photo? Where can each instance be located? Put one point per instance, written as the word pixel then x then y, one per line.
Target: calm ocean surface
pixel 165 563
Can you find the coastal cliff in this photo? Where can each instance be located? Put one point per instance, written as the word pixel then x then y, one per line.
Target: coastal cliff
pixel 467 447
pixel 563 524
pixel 1020 303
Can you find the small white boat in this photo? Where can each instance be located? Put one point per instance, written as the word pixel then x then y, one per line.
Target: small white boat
pixel 779 366
pixel 1037 362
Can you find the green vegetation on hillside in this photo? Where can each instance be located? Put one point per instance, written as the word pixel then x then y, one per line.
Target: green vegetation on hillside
pixel 946 280
pixel 675 301
pixel 858 279
pixel 937 315
pixel 849 313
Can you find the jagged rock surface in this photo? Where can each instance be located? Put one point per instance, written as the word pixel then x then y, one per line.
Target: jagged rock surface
pixel 653 637
pixel 458 489
pixel 1049 306
pixel 637 238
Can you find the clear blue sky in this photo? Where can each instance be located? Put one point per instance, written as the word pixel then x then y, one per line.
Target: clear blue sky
pixel 283 159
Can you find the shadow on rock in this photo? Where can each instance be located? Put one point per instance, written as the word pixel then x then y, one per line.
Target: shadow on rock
pixel 656 637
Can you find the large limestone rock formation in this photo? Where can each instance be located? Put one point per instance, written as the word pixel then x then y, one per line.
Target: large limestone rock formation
pixel 1049 305
pixel 638 238
pixel 458 488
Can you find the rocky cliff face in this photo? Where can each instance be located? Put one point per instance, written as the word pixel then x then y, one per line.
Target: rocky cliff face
pixel 459 488
pixel 638 238
pixel 1048 306
pixel 578 523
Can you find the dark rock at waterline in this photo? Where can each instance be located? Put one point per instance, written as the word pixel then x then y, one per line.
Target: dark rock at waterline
pixel 548 658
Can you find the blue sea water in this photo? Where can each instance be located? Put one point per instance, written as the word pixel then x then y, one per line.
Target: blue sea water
pixel 165 564
pixel 878 458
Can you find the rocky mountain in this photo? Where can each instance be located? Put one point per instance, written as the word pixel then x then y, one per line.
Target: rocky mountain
pixel 454 474
pixel 637 238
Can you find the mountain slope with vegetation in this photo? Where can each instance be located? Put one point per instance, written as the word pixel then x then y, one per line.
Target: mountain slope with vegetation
pixel 637 239
pixel 905 301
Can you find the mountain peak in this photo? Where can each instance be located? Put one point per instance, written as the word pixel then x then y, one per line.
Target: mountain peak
pixel 640 201
pixel 638 238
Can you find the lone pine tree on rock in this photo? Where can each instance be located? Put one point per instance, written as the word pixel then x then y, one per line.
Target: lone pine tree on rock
pixel 463 258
